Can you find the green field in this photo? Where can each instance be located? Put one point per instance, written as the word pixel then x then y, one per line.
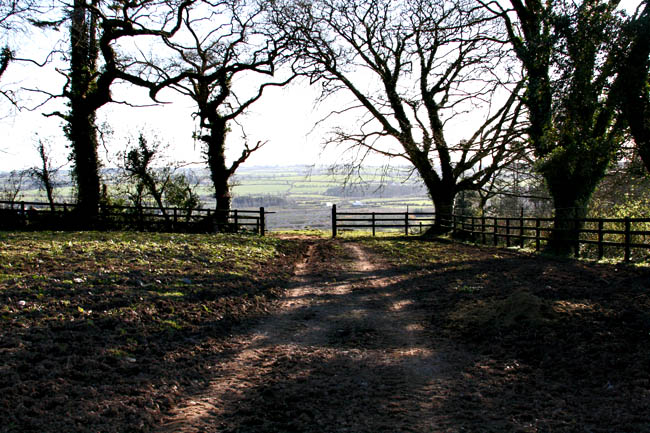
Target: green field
pixel 300 196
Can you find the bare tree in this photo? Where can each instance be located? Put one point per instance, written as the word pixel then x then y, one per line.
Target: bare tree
pixel 414 67
pixel 45 174
pixel 219 42
pixel 96 28
pixel 15 18
pixel 11 188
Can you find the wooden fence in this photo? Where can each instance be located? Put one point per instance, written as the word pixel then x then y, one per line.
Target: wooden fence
pixel 598 237
pixel 406 221
pixel 61 216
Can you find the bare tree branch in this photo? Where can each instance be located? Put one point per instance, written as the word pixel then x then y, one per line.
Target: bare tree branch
pixel 414 66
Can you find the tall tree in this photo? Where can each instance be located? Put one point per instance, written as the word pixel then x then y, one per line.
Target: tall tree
pixel 412 67
pixel 85 96
pixel 96 27
pixel 567 51
pixel 219 42
pixel 632 85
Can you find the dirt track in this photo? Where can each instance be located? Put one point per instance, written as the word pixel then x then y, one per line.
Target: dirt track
pixel 299 334
pixel 340 354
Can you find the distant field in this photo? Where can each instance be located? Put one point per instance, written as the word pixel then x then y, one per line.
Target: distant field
pixel 261 189
pixel 306 193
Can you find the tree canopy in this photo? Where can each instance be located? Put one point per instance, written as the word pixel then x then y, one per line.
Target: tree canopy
pixel 413 68
pixel 461 90
pixel 569 56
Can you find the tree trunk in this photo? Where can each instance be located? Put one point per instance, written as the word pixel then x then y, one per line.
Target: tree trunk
pixel 571 205
pixel 443 202
pixel 83 136
pixel 219 173
pixel 81 129
pixel 632 83
pixel 49 191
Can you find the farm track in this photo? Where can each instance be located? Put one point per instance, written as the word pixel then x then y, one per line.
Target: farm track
pixel 340 354
pixel 125 332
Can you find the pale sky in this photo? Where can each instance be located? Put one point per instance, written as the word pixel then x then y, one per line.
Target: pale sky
pixel 285 117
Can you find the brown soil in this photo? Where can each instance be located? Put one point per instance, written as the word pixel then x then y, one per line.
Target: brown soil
pixel 366 337
pixel 341 354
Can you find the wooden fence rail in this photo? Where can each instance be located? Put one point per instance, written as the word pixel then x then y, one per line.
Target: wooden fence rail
pixel 408 221
pixel 598 237
pixel 38 215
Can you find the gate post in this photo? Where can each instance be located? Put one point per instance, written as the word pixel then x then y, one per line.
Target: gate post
pixel 628 239
pixel 406 223
pixel 262 222
pixel 333 220
pixel 601 250
pixel 521 229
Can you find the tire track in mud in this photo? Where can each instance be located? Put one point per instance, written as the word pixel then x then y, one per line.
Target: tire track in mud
pixel 342 353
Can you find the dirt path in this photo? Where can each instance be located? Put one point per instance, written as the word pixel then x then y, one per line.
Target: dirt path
pixel 340 355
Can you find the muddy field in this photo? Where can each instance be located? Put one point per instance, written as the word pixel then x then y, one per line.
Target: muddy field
pixel 173 333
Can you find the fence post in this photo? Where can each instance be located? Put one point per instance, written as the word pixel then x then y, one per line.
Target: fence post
pixel 507 231
pixel 237 220
pixel 406 223
pixel 102 216
pixel 373 224
pixel 521 229
pixel 537 225
pixel 601 250
pixel 576 248
pixel 175 217
pixel 483 228
pixel 333 220
pixel 472 227
pixel 262 222
pixel 495 240
pixel 627 239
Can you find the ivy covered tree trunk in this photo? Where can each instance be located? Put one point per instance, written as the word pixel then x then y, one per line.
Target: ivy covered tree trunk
pixel 443 202
pixel 441 188
pixel 571 205
pixel 219 172
pixel 573 131
pixel 572 173
pixel 632 87
pixel 83 137
pixel 5 57
pixel 81 129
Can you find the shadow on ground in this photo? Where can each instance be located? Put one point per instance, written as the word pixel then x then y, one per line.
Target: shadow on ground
pixel 474 340
pixel 430 338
